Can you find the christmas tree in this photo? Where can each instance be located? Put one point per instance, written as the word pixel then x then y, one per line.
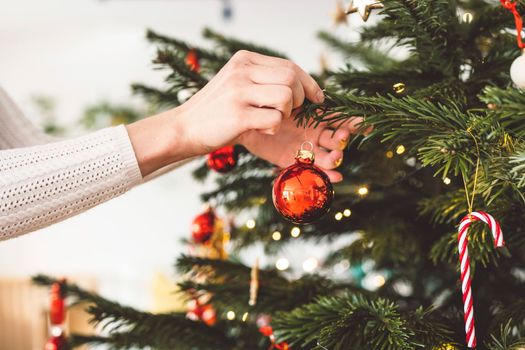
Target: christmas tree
pixel 447 141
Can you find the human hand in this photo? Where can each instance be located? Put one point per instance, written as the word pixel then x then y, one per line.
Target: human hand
pixel 282 147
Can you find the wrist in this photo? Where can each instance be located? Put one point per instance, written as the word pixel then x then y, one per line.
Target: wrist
pixel 160 140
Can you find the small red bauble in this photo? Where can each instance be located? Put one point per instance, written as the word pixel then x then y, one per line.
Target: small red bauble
pixel 223 160
pixel 205 313
pixel 56 343
pixel 203 226
pixel 302 192
pixel 57 307
pixel 192 60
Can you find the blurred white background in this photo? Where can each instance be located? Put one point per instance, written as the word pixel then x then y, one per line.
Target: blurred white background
pixel 83 51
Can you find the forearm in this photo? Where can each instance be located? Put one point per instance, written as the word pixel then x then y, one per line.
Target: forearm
pixel 45 184
pixel 161 140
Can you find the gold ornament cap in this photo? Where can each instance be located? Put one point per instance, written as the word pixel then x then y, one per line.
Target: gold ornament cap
pixel 306 153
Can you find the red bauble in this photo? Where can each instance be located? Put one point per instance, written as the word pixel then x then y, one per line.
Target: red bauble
pixel 203 226
pixel 192 60
pixel 205 313
pixel 57 307
pixel 56 343
pixel 223 160
pixel 302 192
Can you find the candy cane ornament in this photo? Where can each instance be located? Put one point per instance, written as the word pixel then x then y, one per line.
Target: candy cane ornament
pixel 465 266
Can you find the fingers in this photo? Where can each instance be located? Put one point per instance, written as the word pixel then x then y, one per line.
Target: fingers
pixel 265 120
pixel 279 76
pixel 331 139
pixel 279 97
pixel 312 90
pixel 328 160
pixel 334 176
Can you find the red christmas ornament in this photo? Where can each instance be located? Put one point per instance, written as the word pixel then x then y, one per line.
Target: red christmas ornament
pixel 302 192
pixel 57 308
pixel 203 226
pixel 223 160
pixel 205 313
pixel 56 343
pixel 192 60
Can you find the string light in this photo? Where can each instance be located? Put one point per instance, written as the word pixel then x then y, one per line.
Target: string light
pixel 295 232
pixel 379 280
pixel 447 181
pixel 347 212
pixel 399 88
pixel 276 235
pixel 250 223
pixel 338 216
pixel 230 315
pixel 468 17
pixel 362 191
pixel 245 317
pixel 282 264
pixel 400 149
pixel 390 154
pixel 310 264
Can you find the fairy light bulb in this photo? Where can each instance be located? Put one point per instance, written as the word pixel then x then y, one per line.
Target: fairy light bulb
pixel 400 149
pixel 347 213
pixel 245 317
pixel 310 264
pixel 362 191
pixel 338 216
pixel 276 235
pixel 389 154
pixel 282 264
pixel 447 181
pixel 230 315
pixel 250 224
pixel 295 232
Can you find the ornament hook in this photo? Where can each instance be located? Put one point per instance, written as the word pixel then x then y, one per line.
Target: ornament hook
pixel 309 144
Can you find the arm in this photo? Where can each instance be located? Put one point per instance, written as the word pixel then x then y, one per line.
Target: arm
pixel 15 129
pixel 249 101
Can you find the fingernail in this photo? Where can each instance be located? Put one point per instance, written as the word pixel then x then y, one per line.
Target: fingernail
pixel 319 96
pixel 338 162
pixel 343 143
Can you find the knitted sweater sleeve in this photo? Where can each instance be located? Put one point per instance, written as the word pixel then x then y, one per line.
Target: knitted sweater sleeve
pixel 43 184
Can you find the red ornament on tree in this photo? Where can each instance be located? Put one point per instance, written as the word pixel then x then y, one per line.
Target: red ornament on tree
pixel 302 193
pixel 205 313
pixel 57 308
pixel 192 60
pixel 56 343
pixel 223 160
pixel 203 226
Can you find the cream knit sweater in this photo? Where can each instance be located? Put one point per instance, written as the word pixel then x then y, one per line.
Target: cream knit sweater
pixel 43 181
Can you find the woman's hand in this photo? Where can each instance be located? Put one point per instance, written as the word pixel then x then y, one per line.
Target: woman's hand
pixel 249 101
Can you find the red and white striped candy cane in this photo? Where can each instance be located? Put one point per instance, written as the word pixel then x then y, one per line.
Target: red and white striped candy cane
pixel 465 266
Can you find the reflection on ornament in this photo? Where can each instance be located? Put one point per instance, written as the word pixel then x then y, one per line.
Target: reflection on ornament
pixel 517 71
pixel 467 17
pixel 364 7
pixel 399 88
pixel 302 192
pixel 203 226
